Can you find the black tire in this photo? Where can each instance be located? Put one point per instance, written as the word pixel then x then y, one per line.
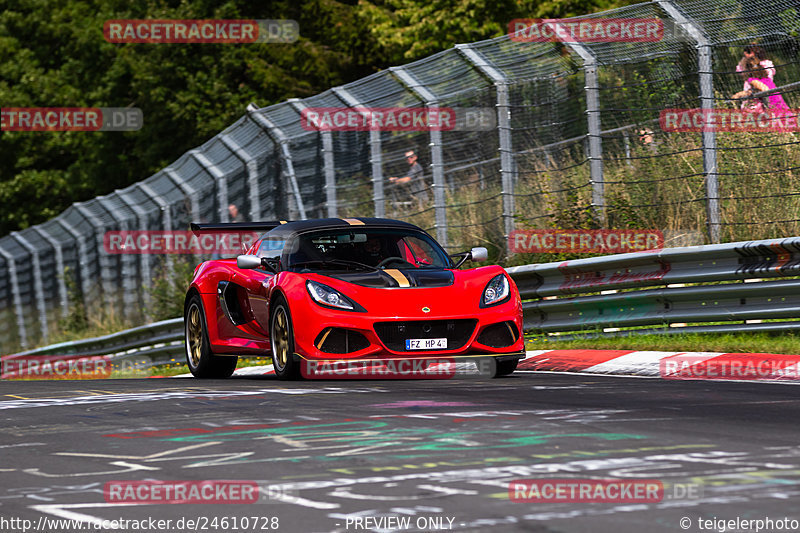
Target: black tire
pixel 201 360
pixel 505 368
pixel 281 340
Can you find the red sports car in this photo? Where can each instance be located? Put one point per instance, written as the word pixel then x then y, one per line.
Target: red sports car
pixel 348 290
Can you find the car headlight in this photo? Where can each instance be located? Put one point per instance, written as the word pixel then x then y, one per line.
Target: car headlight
pixel 496 291
pixel 328 297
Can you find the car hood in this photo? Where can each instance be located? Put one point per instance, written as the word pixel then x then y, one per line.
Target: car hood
pixel 416 277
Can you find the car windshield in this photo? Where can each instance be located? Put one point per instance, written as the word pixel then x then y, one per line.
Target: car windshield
pixel 365 249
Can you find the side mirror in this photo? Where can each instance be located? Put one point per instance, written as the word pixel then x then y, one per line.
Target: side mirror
pixel 479 253
pixel 248 261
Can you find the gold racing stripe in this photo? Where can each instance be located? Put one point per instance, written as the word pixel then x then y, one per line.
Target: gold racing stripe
pixel 353 221
pixel 322 340
pixel 398 277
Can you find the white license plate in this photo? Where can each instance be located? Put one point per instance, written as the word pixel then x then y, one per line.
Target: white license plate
pixel 426 344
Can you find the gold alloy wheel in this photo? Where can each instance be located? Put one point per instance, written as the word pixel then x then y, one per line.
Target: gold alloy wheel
pixel 194 334
pixel 280 338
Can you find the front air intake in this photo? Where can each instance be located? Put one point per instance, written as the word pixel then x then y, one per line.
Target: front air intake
pixel 340 340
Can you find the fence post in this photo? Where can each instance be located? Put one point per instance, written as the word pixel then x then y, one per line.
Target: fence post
pixel 165 213
pixel 328 166
pixel 188 191
pixel 592 89
pixel 280 138
pixel 106 281
pixel 376 155
pixel 437 161
pixel 127 260
pixel 705 74
pixel 480 62
pixel 38 287
pixel 83 260
pixel 16 296
pixel 219 179
pixel 59 253
pixel 144 259
pixel 252 174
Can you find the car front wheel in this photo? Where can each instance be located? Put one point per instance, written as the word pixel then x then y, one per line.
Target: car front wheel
pixel 281 340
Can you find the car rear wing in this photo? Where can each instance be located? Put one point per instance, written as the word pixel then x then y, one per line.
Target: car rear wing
pixel 236 226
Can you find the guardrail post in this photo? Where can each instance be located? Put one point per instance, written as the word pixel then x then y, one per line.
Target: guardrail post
pixel 59 257
pixel 38 287
pixel 144 259
pixel 592 89
pixel 376 155
pixel 219 179
pixel 126 260
pixel 328 164
pixel 507 163
pixel 16 296
pixel 704 67
pixel 252 174
pixel 281 139
pixel 437 161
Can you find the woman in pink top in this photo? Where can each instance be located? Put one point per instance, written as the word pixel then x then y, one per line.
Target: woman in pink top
pixel 756 80
pixel 755 52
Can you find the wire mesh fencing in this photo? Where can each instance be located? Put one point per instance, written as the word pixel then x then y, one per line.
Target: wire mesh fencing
pixel 577 142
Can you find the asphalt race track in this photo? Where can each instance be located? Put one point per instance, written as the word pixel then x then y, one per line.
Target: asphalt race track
pixel 398 455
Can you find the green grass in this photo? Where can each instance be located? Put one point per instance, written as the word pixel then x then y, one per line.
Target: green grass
pixel 177 368
pixel 786 343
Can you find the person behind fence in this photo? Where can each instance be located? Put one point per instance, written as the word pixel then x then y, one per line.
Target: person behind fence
pixel 235 214
pixel 753 51
pixel 757 79
pixel 414 180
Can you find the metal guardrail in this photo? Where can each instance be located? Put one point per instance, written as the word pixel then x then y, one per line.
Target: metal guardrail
pixel 669 287
pixel 159 342
pixel 695 284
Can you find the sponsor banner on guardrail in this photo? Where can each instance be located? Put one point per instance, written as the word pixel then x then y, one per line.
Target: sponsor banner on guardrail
pixel 226 242
pixel 612 241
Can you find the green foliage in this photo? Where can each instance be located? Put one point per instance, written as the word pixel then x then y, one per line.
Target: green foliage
pixel 55 55
pixel 168 289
